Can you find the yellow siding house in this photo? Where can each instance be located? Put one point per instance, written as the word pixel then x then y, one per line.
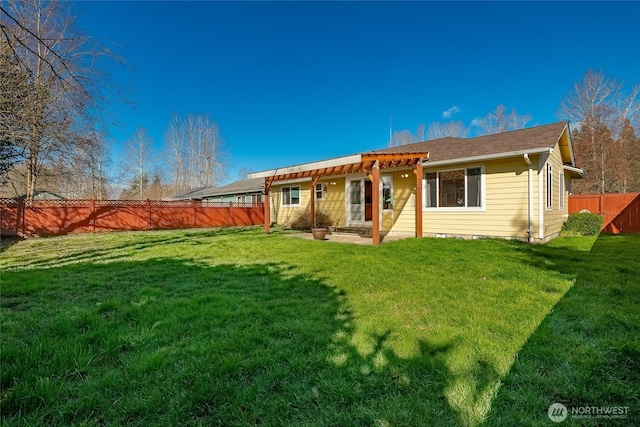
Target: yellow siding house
pixel 512 185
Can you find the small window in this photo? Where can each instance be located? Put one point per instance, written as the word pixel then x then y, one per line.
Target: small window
pixel 240 199
pixel 319 191
pixel 549 186
pixel 561 192
pixel 387 192
pixel 291 196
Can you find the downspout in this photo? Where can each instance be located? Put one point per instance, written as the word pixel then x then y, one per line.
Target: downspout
pixel 530 195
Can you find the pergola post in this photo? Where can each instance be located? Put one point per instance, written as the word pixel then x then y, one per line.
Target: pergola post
pixel 312 201
pixel 267 207
pixel 418 172
pixel 375 190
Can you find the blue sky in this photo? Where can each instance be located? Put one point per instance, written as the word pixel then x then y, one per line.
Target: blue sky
pixel 291 82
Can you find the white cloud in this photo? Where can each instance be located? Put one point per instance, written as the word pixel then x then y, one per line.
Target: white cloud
pixel 476 121
pixel 450 112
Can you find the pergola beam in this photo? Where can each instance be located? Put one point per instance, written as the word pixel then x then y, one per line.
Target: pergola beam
pixel 370 164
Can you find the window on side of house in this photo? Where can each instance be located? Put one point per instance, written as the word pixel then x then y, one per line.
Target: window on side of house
pixel 240 199
pixel 549 186
pixel 460 188
pixel 256 198
pixel 561 192
pixel 290 196
pixel 319 191
pixel 387 192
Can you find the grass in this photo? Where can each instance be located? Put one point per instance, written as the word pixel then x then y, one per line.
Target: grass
pixel 234 327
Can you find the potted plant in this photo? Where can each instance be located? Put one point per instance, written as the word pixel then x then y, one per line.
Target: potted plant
pixel 322 226
pixel 319 233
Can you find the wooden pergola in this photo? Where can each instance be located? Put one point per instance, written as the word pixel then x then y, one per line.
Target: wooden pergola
pixel 368 163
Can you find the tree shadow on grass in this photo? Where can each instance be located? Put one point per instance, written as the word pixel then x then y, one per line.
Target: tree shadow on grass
pixel 82 248
pixel 7 242
pixel 171 342
pixel 586 352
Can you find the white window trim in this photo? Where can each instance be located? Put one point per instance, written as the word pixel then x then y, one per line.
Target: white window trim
pixel 283 204
pixel 548 170
pixel 481 208
pixel 315 189
pixel 561 190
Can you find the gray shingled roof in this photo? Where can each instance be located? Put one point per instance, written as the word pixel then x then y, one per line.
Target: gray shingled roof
pixel 451 149
pixel 244 186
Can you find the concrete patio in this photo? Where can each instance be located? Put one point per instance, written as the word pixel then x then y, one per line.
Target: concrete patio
pixel 342 238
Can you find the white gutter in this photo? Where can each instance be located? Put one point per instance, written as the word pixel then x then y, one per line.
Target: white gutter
pixel 529 198
pixel 541 194
pixel 576 171
pixel 504 155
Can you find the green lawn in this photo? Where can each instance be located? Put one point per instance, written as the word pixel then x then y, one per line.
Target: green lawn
pixel 235 327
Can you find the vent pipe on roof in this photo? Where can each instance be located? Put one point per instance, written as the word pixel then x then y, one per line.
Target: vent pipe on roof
pixel 529 196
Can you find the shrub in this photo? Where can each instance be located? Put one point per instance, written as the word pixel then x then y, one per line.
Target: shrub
pixel 303 221
pixel 583 224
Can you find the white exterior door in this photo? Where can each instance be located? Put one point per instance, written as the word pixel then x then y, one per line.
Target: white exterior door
pixel 355 202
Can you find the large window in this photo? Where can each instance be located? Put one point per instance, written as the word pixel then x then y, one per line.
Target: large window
pixel 549 186
pixel 290 196
pixel 387 192
pixel 461 188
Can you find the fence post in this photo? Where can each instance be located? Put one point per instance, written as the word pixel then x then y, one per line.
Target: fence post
pixel 233 220
pixel 149 216
pixel 92 206
pixel 195 213
pixel 20 217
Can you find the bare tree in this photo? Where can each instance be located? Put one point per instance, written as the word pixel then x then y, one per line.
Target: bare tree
pixel 196 151
pixel 62 88
pixel 244 172
pixel 500 120
pixel 138 160
pixel 14 89
pixel 455 129
pixel 607 118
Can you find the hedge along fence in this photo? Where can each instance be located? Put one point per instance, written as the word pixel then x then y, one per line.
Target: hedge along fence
pixel 621 212
pixel 51 217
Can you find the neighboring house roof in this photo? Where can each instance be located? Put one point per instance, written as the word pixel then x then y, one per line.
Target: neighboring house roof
pixel 244 186
pixel 532 140
pixel 43 195
pixel 184 195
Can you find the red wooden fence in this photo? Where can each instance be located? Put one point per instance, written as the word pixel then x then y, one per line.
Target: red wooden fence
pixel 50 217
pixel 621 211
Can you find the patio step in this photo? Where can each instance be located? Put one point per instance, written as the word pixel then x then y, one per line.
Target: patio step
pixel 353 231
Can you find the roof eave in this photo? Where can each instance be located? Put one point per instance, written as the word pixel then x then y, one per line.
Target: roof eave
pixel 338 161
pixel 484 157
